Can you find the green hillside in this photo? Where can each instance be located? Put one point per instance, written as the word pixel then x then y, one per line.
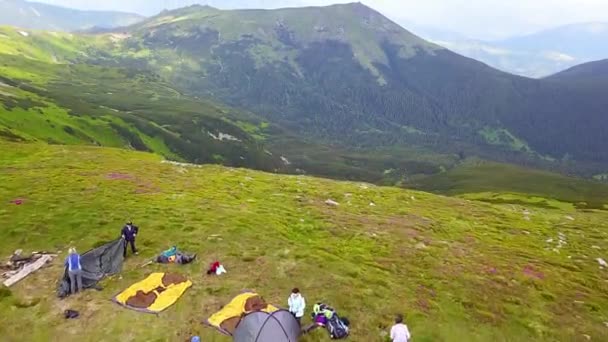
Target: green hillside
pixel 460 270
pixel 51 92
pixel 479 177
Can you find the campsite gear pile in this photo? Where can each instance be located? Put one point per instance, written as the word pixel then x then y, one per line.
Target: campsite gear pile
pixel 155 293
pixel 216 268
pixel 324 315
pixel 96 264
pixel 19 266
pixel 248 318
pixel 174 256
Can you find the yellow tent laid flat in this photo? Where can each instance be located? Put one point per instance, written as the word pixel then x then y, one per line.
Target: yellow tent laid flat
pixel 229 316
pixel 155 293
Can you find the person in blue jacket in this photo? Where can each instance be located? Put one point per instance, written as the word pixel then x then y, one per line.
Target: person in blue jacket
pixel 129 233
pixel 72 262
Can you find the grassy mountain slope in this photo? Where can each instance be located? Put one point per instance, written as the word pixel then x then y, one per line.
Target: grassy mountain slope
pixel 51 93
pixel 33 15
pixel 487 177
pixel 461 270
pixel 348 76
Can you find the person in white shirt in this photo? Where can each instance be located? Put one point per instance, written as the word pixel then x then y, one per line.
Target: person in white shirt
pixel 297 304
pixel 399 331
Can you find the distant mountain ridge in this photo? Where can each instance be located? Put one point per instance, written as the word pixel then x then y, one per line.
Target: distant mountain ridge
pixel 536 55
pixel 39 16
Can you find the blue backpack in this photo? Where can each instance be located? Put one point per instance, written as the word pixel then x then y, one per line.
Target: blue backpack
pixel 337 327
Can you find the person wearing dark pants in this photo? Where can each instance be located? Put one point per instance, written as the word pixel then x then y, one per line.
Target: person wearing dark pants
pixel 72 262
pixel 129 233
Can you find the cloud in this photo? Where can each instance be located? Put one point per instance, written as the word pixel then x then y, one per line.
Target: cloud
pixel 485 19
pixel 556 56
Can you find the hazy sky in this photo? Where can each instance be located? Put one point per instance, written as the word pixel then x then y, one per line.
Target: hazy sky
pixel 484 19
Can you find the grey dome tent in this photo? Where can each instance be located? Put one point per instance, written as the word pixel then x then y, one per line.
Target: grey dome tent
pixel 96 264
pixel 260 326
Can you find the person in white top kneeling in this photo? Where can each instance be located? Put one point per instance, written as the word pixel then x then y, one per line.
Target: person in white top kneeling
pixel 399 331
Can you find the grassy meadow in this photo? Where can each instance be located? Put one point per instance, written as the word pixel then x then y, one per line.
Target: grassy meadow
pixel 460 269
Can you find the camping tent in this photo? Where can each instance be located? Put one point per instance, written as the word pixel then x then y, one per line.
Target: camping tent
pixel 260 326
pixel 248 318
pixel 96 264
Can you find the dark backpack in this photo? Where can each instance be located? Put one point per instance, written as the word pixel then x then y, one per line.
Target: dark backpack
pixel 337 327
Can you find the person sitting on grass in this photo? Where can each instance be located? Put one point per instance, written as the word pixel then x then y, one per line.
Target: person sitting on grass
pixel 399 331
pixel 72 262
pixel 321 313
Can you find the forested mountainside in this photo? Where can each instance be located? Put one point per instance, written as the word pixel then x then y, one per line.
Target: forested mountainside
pixel 347 75
pixel 588 72
pixel 51 93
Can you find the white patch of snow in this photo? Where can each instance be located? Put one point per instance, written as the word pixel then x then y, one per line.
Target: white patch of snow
pixel 285 161
pixel 180 164
pixel 332 203
pixel 116 37
pixel 23 33
pixel 223 136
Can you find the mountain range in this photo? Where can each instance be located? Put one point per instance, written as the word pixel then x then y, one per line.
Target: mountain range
pixel 535 55
pixel 33 15
pixel 340 91
pixel 347 75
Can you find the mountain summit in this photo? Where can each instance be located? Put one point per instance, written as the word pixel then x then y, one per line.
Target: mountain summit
pixel 278 33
